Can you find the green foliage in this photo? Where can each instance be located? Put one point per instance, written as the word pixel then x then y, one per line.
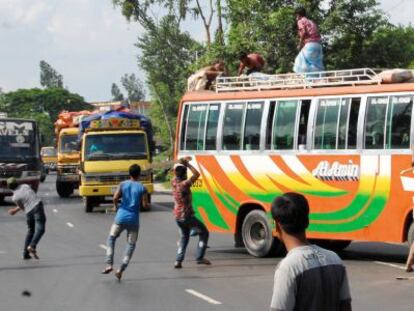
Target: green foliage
pixel 49 77
pixel 42 105
pixel 116 92
pixel 133 86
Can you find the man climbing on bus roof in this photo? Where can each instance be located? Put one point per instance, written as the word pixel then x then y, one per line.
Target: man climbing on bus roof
pixel 204 77
pixel 254 62
pixel 310 57
pixel 309 277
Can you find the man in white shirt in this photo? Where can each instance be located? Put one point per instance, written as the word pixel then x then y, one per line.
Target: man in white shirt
pixel 26 200
pixel 309 278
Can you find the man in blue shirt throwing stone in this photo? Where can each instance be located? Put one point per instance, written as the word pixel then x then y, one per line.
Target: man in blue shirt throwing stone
pixel 132 194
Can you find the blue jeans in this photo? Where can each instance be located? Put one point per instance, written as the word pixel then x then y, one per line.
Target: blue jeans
pixel 185 228
pixel 132 236
pixel 36 225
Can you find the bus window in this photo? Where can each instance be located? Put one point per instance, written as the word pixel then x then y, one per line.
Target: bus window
pixel 232 127
pixel 195 128
pixel 183 127
pixel 269 124
pixel 212 121
pixel 326 124
pixel 375 122
pixel 353 123
pixel 253 122
pixel 284 125
pixel 399 122
pixel 303 122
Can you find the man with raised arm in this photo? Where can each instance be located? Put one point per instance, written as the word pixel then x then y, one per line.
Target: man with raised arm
pixel 309 278
pixel 254 62
pixel 184 213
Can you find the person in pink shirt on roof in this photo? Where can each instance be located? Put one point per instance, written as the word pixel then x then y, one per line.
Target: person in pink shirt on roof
pixel 310 57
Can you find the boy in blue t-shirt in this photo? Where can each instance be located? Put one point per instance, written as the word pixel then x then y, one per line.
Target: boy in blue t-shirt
pixel 132 194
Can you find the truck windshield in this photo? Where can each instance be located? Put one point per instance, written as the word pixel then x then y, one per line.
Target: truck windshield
pixel 18 139
pixel 115 147
pixel 68 144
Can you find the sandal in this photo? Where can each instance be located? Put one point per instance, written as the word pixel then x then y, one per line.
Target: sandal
pixel 32 251
pixel 107 270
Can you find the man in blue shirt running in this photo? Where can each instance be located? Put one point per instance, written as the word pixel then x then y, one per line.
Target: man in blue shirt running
pixel 132 194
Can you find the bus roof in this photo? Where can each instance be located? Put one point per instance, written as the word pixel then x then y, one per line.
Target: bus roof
pixel 199 96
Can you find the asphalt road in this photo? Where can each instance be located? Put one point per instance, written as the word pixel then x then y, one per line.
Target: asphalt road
pixel 67 277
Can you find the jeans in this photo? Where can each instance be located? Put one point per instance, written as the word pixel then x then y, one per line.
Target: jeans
pixel 132 236
pixel 36 225
pixel 185 228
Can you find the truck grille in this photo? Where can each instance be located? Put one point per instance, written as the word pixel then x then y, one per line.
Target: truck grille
pixel 107 179
pixel 68 169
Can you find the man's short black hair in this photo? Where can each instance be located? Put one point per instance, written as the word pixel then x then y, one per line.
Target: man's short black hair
pixel 300 11
pixel 242 55
pixel 134 170
pixel 291 211
pixel 181 172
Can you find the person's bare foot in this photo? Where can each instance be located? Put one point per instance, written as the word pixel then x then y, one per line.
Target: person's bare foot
pixel 408 268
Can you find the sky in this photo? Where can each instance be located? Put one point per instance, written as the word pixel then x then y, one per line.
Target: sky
pixel 88 41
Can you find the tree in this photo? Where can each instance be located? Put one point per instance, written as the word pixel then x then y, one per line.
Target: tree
pixel 133 87
pixel 49 77
pixel 42 105
pixel 116 93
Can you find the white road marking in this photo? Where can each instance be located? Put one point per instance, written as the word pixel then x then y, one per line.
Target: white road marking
pixel 103 246
pixel 55 210
pixel 70 224
pixel 390 265
pixel 204 297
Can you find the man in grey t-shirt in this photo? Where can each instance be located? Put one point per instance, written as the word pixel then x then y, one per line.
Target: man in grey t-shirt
pixel 310 278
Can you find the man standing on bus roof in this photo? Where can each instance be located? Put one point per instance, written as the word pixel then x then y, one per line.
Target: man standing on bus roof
pixel 310 57
pixel 254 62
pixel 26 200
pixel 184 213
pixel 309 278
pixel 132 194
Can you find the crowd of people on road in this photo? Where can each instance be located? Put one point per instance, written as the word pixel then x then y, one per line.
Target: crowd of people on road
pixel 309 58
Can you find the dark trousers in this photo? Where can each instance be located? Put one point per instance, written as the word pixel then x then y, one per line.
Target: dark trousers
pixel 36 225
pixel 185 228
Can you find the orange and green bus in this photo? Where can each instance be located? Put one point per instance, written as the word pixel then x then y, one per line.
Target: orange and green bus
pixel 347 144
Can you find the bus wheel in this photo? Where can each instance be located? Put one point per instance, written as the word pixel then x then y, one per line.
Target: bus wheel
pixel 257 234
pixel 64 189
pixel 88 204
pixel 410 235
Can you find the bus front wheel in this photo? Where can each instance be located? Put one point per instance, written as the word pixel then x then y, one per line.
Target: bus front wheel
pixel 88 204
pixel 257 234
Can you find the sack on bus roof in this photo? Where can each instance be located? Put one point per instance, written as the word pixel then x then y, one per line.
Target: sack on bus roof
pixel 396 75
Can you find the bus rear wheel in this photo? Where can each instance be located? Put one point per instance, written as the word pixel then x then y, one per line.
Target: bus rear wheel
pixel 257 235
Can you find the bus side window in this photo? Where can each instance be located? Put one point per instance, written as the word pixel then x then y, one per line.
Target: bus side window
pixel 269 125
pixel 375 122
pixel 183 127
pixel 303 122
pixel 212 122
pixel 196 126
pixel 327 123
pixel 251 139
pixel 232 126
pixel 399 122
pixel 353 123
pixel 284 125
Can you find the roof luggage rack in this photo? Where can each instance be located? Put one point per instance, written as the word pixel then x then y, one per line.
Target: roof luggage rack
pixel 258 82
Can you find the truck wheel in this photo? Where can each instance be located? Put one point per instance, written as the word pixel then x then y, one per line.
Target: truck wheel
pixel 257 235
pixel 64 189
pixel 88 204
pixel 410 235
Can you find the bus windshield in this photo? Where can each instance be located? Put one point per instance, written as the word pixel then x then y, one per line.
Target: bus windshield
pixel 115 147
pixel 69 144
pixel 17 139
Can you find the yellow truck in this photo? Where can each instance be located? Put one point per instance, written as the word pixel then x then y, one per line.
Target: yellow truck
pixel 67 174
pixel 109 147
pixel 49 158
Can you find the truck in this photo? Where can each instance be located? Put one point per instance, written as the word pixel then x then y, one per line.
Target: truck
pixel 67 132
pixel 111 143
pixel 49 158
pixel 19 153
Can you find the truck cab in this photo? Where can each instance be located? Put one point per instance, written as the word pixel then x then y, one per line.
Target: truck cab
pixel 109 148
